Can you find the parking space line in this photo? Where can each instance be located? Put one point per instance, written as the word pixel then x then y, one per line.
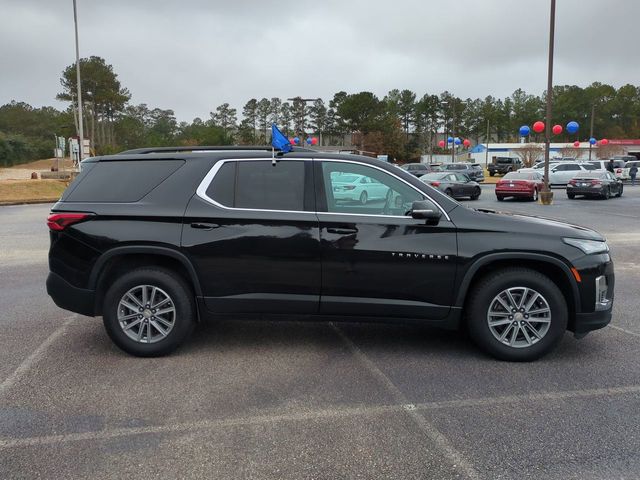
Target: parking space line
pixel 330 413
pixel 35 356
pixel 454 456
pixel 628 332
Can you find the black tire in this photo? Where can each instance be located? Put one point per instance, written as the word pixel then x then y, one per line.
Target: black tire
pixel 483 294
pixel 364 197
pixel 449 192
pixel 571 196
pixel 500 198
pixel 619 194
pixel 476 194
pixel 491 174
pixel 534 197
pixel 607 193
pixel 182 300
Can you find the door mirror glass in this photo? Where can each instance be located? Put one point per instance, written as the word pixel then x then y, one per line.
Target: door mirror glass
pixel 425 211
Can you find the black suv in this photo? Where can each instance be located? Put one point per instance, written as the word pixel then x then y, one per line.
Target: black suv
pixel 156 240
pixel 504 165
pixel 471 170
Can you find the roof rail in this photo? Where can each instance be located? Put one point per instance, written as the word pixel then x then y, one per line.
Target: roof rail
pixel 206 148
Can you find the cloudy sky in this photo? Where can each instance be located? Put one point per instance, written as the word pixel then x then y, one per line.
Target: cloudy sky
pixel 192 55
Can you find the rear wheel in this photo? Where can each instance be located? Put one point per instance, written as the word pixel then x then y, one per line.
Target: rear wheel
pixel 491 174
pixel 619 194
pixel 364 198
pixel 571 196
pixel 149 312
pixel 500 198
pixel 476 194
pixel 516 314
pixel 607 193
pixel 449 192
pixel 534 197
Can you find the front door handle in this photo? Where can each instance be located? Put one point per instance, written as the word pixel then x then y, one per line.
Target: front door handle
pixel 342 231
pixel 204 226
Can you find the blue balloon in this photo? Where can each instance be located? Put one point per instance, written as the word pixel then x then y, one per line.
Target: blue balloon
pixel 524 131
pixel 308 140
pixel 450 140
pixel 457 141
pixel 593 141
pixel 296 140
pixel 572 127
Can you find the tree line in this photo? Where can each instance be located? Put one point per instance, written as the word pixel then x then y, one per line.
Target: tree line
pixel 402 124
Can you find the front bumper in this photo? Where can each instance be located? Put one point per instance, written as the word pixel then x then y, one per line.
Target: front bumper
pixel 70 298
pixel 586 322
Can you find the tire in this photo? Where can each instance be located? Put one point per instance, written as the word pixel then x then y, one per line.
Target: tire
pixel 491 174
pixel 500 198
pixel 549 305
pixel 571 196
pixel 476 194
pixel 171 292
pixel 607 193
pixel 364 197
pixel 619 194
pixel 449 192
pixel 534 197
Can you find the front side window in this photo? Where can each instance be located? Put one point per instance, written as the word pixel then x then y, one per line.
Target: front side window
pixel 382 194
pixel 259 185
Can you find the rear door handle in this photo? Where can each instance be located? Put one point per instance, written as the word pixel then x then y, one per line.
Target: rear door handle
pixel 204 226
pixel 342 231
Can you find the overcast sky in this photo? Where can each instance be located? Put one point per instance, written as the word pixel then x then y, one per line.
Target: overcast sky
pixel 192 55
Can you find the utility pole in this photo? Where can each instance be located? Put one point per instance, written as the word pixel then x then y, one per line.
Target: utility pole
pixel 453 133
pixel 80 126
pixel 546 196
pixel 593 108
pixel 486 155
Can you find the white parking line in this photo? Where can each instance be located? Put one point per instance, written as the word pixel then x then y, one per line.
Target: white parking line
pixel 628 332
pixel 454 456
pixel 35 357
pixel 330 413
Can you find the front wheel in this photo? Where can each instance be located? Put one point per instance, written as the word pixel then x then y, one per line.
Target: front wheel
pixel 571 196
pixel 476 194
pixel 500 198
pixel 620 192
pixel 491 174
pixel 149 312
pixel 449 192
pixel 607 193
pixel 364 198
pixel 516 314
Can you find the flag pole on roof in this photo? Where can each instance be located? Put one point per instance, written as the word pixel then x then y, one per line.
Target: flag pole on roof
pixel 278 142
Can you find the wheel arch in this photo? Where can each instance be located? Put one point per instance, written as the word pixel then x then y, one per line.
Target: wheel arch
pixel 120 259
pixel 556 270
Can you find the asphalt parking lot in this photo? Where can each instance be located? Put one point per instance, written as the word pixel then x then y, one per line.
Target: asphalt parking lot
pixel 300 400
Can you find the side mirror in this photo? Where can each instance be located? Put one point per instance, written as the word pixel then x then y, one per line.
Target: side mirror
pixel 425 211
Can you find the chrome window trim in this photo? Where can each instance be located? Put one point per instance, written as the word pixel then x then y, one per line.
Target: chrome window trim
pixel 201 191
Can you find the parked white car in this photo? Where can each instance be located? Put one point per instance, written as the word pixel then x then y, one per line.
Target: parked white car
pixel 562 172
pixel 357 188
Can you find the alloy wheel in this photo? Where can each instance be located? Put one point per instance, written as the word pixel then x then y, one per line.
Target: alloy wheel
pixel 146 314
pixel 519 317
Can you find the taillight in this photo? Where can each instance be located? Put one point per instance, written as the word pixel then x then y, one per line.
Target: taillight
pixel 435 184
pixel 59 221
pixel 572 181
pixel 596 182
pixel 349 187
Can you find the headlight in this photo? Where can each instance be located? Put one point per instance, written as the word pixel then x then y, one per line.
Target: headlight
pixel 587 246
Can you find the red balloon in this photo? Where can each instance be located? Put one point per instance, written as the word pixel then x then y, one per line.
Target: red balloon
pixel 466 142
pixel 557 129
pixel 576 144
pixel 538 127
pixel 441 143
pixel 604 141
pixel 292 141
pixel 314 141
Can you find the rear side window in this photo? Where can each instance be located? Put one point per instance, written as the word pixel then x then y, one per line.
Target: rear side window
pixel 259 185
pixel 121 181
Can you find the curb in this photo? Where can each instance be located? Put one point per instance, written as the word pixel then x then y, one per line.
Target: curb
pixel 28 202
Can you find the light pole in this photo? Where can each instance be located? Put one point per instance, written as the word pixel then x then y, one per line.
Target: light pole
pixel 546 196
pixel 444 104
pixel 80 126
pixel 593 111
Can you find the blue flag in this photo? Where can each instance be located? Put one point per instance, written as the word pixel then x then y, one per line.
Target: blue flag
pixel 278 140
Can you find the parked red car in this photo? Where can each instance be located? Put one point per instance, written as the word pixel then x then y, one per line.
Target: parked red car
pixel 520 185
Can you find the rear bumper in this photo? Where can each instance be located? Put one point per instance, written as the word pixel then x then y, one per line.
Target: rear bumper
pixel 585 191
pixel 70 298
pixel 515 193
